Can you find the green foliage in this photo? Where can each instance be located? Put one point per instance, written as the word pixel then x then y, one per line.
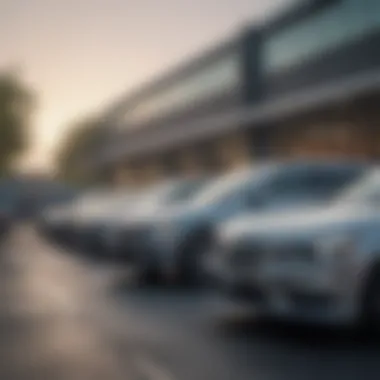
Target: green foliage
pixel 16 105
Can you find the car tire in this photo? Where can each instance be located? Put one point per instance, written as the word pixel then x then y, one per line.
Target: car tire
pixel 370 320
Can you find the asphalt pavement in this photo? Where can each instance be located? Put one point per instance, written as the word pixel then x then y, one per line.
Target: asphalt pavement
pixel 56 321
pixel 63 317
pixel 197 335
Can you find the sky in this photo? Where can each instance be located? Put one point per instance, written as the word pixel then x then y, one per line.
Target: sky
pixel 79 55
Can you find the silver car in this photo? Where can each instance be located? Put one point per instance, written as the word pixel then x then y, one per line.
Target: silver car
pixel 319 264
pixel 124 233
pixel 182 236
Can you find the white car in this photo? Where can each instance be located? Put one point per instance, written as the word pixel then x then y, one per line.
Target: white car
pixel 93 212
pixel 122 231
pixel 54 220
pixel 319 264
pixel 177 239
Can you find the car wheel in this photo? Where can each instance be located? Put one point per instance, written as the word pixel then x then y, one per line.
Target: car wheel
pixel 371 303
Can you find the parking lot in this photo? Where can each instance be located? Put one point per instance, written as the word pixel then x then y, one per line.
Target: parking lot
pixel 65 317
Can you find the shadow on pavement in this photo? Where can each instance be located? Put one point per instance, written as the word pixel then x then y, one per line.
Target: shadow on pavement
pixel 248 326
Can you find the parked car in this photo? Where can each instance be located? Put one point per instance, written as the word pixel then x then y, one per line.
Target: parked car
pixel 319 264
pixel 91 218
pixel 173 244
pixel 118 231
pixel 53 221
pixel 58 219
pixel 79 212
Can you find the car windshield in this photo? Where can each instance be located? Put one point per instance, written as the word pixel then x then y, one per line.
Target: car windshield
pixel 364 190
pixel 223 187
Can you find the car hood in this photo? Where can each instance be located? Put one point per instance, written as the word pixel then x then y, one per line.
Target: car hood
pixel 103 215
pixel 308 221
pixel 157 215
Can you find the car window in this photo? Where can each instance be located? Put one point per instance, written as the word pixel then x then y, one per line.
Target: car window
pixel 366 189
pixel 184 191
pixel 329 182
pixel 223 188
pixel 314 183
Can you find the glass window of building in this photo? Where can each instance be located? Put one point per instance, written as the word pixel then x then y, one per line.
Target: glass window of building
pixel 342 22
pixel 218 77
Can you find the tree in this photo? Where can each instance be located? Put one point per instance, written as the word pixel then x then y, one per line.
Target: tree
pixel 79 145
pixel 16 106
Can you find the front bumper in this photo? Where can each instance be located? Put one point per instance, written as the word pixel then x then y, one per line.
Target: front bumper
pixel 299 293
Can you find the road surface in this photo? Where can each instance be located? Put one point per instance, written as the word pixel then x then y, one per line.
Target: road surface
pixel 66 318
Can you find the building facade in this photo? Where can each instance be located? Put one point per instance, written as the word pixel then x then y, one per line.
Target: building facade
pixel 307 83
